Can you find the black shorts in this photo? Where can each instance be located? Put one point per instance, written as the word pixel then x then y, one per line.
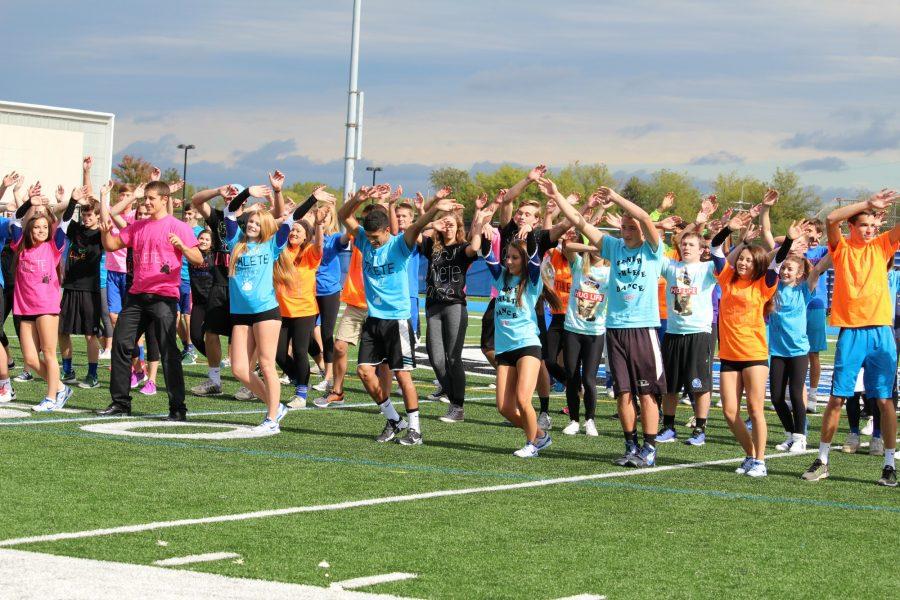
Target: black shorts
pixel 686 361
pixel 511 357
pixel 390 341
pixel 33 318
pixel 636 363
pixel 487 326
pixel 218 312
pixel 730 366
pixel 251 319
pixel 80 313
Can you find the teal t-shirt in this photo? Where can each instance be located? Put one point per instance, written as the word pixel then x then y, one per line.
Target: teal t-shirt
pixel 633 278
pixel 689 290
pixel 787 323
pixel 385 277
pixel 515 325
pixel 586 313
pixel 251 289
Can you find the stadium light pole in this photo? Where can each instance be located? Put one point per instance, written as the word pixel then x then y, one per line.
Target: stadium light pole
pixel 353 140
pixel 374 171
pixel 184 147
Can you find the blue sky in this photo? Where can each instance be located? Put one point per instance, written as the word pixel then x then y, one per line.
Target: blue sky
pixel 699 86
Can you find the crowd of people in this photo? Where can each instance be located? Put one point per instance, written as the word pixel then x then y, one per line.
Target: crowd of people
pixel 575 283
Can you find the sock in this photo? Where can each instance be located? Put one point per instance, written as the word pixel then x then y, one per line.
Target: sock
pixel 67 365
pixel 888 457
pixel 701 424
pixel 413 417
pixel 214 375
pixel 92 369
pixel 141 353
pixel 876 432
pixel 824 449
pixel 855 430
pixel 650 439
pixel 188 347
pixel 631 436
pixel 390 413
pixel 301 390
pixel 669 421
pixel 545 404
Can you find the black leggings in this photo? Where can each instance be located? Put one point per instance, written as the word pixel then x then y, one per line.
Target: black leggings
pixel 328 311
pixel 7 308
pixel 784 373
pixel 198 319
pixel 555 336
pixel 581 357
pixel 853 412
pixel 297 331
pixel 445 337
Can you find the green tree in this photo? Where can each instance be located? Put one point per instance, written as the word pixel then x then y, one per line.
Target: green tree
pixel 794 202
pixel 132 170
pixel 583 179
pixel 660 183
pixel 740 193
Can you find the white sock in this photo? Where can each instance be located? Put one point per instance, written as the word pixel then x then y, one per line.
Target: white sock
pixel 390 413
pixel 413 417
pixel 888 458
pixel 824 448
pixel 214 375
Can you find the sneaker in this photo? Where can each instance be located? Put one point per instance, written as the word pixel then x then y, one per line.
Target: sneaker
pixel 323 386
pixel 137 379
pixel 867 429
pixel 391 430
pixel 188 358
pixel 6 393
pixel 149 389
pixel 698 438
pixel 10 365
pixel 559 386
pixel 745 465
pixel 757 469
pixel 590 429
pixel 888 477
pixel 412 438
pixel 643 459
pixel 749 424
pixel 62 396
pixel 282 412
pixel 610 393
pixel 811 402
pixel 24 376
pixel 816 471
pixel 798 444
pixel 299 399
pixel 89 382
pixel 267 427
pixel 876 447
pixel 543 441
pixel 284 380
pixel 686 400
pixel 105 354
pixel 207 388
pixel 454 414
pixel 332 399
pixel 691 423
pixel 851 444
pixel 69 377
pixel 226 363
pixel 544 422
pixel 438 390
pixel 717 403
pixel 631 449
pixel 572 428
pixel 492 386
pixel 439 395
pixel 528 451
pixel 787 443
pixel 244 394
pixel 667 436
pixel 46 405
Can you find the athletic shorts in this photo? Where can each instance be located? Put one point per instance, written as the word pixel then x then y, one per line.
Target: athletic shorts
pixel 661 332
pixel 511 357
pixel 686 361
pixel 388 341
pixel 349 327
pixel 218 312
pixel 736 366
pixel 251 319
pixel 116 291
pixel 635 360
pixel 487 326
pixel 79 313
pixel 184 298
pixel 815 329
pixel 33 318
pixel 869 348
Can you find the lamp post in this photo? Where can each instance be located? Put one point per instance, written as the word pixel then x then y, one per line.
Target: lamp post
pixel 374 170
pixel 184 147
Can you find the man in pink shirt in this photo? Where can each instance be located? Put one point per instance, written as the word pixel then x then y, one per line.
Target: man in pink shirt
pixel 158 244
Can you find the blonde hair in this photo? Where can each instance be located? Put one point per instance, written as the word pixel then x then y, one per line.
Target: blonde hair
pixel 267 229
pixel 332 227
pixel 438 237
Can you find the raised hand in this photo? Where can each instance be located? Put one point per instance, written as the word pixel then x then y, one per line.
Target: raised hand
pixel 87 163
pixel 668 202
pixel 547 187
pixel 444 192
pixel 398 193
pixel 537 173
pixel 613 220
pixel 105 189
pixel 553 208
pixel 882 199
pixel 701 217
pixel 752 233
pixel 139 192
pixel 523 232
pixel 727 215
pixel 321 215
pixel 60 193
pixel 20 193
pixel 770 198
pixel 710 205
pixel 501 194
pixel 11 179
pixel 669 223
pixel 155 174
pixel 35 190
pixel 574 198
pixel 754 212
pixel 796 228
pixel 481 201
pixel 79 194
pixel 259 191
pixel 175 187
pixel 323 196
pixel 228 192
pixel 595 199
pixel 419 202
pixel 276 180
pixel 447 205
pixel 739 221
pixel 799 246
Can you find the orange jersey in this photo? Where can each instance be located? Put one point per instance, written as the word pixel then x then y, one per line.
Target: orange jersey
pixel 299 298
pixel 354 294
pixel 861 295
pixel 562 280
pixel 661 295
pixel 742 328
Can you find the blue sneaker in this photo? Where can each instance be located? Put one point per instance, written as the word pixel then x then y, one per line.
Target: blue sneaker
pixel 643 459
pixel 631 450
pixel 62 396
pixel 698 438
pixel 282 412
pixel 667 436
pixel 559 386
pixel 745 465
pixel 757 469
pixel 543 441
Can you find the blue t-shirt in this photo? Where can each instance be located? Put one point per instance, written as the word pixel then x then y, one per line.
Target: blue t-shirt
pixel 586 313
pixel 689 296
pixel 328 275
pixel 819 298
pixel 787 323
pixel 102 270
pixel 385 277
pixel 633 279
pixel 515 325
pixel 5 234
pixel 413 272
pixel 251 288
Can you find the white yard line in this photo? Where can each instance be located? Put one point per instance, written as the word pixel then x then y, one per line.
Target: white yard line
pixel 352 584
pixel 263 514
pixel 195 558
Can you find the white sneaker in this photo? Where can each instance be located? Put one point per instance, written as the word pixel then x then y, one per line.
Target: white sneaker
pixel 572 428
pixel 282 411
pixel 492 386
pixel 811 401
pixel 798 444
pixel 207 388
pixel 46 405
pixel 6 393
pixel 787 443
pixel 244 394
pixel 685 400
pixel 757 469
pixel 105 354
pixel 851 444
pixel 267 427
pixel 62 396
pixel 869 426
pixel 323 386
pixel 529 451
pixel 284 380
pixel 226 363
pixel 590 429
pixel 876 447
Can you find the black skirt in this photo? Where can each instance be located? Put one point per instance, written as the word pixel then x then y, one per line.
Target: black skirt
pixel 80 313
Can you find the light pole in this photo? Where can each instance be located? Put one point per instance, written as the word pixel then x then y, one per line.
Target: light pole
pixel 374 170
pixel 184 147
pixel 353 141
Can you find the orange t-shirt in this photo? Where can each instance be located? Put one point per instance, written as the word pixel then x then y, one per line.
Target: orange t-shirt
pixel 742 328
pixel 299 298
pixel 354 294
pixel 861 295
pixel 661 295
pixel 562 281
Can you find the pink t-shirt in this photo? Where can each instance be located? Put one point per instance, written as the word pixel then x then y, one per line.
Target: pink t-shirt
pixel 37 290
pixel 117 261
pixel 157 264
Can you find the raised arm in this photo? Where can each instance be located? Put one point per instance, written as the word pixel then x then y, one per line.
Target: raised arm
pixel 878 202
pixel 549 189
pixel 765 223
pixel 639 215
pixel 276 182
pixel 411 235
pixel 506 204
pixel 346 211
pixel 737 222
pixel 200 201
pixel 86 165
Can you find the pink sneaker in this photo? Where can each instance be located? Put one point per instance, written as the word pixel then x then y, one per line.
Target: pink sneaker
pixel 149 389
pixel 136 379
